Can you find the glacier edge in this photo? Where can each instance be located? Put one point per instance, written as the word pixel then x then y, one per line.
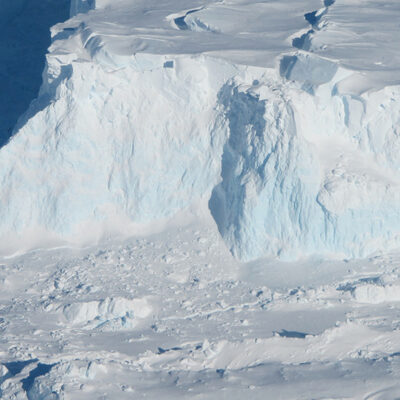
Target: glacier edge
pixel 293 163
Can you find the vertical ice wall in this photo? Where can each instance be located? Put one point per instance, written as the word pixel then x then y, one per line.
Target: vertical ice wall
pixel 307 170
pixel 265 203
pixel 134 145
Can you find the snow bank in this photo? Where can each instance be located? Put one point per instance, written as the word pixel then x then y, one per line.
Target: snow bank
pixel 345 341
pixel 140 116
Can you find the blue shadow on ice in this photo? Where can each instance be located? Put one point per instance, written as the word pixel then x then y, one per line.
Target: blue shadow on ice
pixel 292 334
pixel 25 37
pixel 40 370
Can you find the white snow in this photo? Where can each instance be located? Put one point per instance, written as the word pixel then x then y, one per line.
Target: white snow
pixel 185 319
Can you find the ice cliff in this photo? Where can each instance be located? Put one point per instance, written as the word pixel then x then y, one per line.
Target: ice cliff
pixel 257 108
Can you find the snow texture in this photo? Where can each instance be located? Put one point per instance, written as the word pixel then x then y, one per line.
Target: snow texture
pixel 147 109
pixel 174 316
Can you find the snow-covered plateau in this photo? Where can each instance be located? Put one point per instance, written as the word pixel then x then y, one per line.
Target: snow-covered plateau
pixel 187 205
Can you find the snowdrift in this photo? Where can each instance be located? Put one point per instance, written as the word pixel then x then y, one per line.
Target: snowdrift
pixel 147 109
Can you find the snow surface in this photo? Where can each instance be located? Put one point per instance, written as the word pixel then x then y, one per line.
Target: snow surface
pixel 179 157
pixel 173 316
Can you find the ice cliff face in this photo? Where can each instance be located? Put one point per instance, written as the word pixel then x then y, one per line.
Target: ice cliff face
pixel 307 173
pixel 145 110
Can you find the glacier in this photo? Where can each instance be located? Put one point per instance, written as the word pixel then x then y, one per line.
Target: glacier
pixel 286 135
pixel 182 199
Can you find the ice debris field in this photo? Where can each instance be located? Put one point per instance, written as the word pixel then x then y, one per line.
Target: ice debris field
pixel 199 199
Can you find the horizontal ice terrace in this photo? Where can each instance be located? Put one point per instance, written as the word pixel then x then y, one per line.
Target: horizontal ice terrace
pixel 270 113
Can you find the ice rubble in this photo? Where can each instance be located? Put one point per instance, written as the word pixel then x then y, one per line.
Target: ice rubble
pixel 138 118
pixel 107 314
